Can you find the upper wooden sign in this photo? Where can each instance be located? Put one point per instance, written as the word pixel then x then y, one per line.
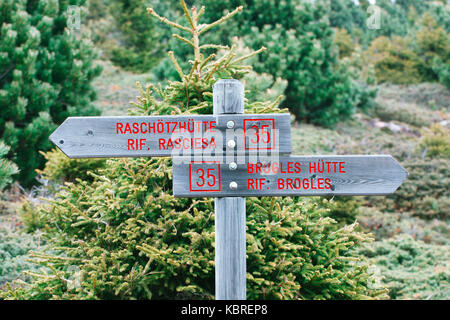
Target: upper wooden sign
pixel 288 176
pixel 160 136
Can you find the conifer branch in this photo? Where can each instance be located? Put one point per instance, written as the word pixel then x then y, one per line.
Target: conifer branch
pixel 213 46
pixel 222 59
pixel 249 55
pixel 200 106
pixel 242 67
pixel 177 66
pixel 212 72
pixel 186 13
pixel 178 110
pixel 167 21
pixel 141 90
pixel 194 67
pixel 212 56
pixel 200 12
pixel 277 101
pixel 224 18
pixel 183 39
pixel 218 63
pixel 227 60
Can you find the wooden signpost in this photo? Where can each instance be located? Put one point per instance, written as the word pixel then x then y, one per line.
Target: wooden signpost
pixel 165 136
pixel 229 155
pixel 290 176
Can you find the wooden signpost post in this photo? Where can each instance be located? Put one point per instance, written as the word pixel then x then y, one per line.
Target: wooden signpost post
pixel 229 155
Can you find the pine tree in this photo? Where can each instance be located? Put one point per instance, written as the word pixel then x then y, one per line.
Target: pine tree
pixel 301 50
pixel 140 46
pixel 129 238
pixel 345 43
pixel 433 46
pixel 347 15
pixel 45 76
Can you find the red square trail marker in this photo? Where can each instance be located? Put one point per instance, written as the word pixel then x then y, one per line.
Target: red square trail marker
pixel 241 155
pixel 203 179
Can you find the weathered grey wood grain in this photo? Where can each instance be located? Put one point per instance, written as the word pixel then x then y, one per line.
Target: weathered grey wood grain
pixel 228 97
pixel 100 137
pixel 230 250
pixel 364 175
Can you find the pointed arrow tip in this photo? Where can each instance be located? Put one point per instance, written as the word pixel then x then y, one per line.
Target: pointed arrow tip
pixel 404 173
pixel 56 138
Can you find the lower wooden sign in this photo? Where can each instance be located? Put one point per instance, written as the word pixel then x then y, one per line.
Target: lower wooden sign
pixel 289 176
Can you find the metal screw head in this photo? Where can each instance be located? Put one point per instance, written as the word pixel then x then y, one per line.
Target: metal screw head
pixel 231 144
pixel 230 124
pixel 233 185
pixel 232 166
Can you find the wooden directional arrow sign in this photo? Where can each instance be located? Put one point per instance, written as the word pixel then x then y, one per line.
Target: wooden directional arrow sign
pixel 289 176
pixel 160 136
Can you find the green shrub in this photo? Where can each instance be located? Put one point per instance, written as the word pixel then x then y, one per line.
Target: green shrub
pixel 131 239
pixel 385 225
pixel 345 43
pixel 403 112
pixel 443 72
pixel 344 209
pixel 15 246
pixel 45 77
pixel 436 142
pixel 7 168
pixel 394 60
pixel 422 56
pixel 29 216
pixel 59 168
pixel 424 193
pixel 433 46
pixel 426 96
pixel 358 137
pixel 140 46
pixel 412 269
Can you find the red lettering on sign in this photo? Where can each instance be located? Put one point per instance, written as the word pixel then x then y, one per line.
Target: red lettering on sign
pixel 327 167
pixel 187 143
pixel 305 184
pixel 127 128
pixel 256 184
pixel 274 168
pixel 130 144
pixel 143 131
pixel 135 127
pixel 165 127
pixel 119 127
pixel 136 144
